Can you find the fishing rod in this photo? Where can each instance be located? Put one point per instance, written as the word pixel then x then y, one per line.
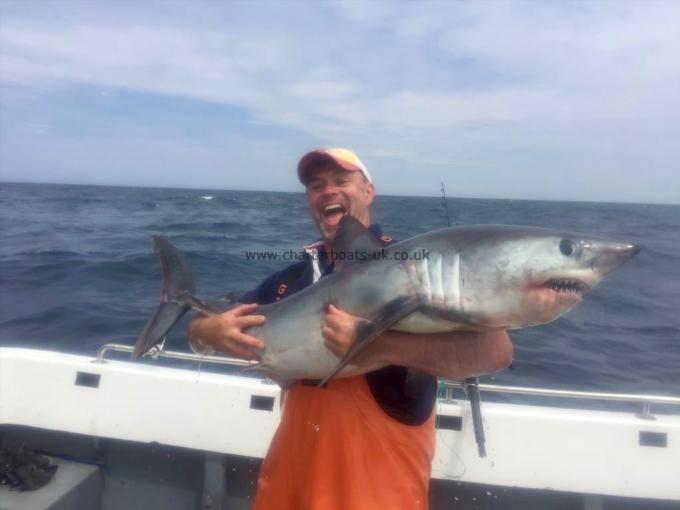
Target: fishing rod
pixel 471 384
pixel 446 207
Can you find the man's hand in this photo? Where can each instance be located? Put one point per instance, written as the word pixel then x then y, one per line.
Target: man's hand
pixel 224 332
pixel 339 330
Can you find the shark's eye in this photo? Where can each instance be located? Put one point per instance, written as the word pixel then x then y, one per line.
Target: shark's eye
pixel 567 247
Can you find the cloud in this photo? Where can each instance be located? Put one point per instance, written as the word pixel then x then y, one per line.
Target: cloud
pixel 482 86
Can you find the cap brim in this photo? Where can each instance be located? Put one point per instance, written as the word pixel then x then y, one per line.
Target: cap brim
pixel 313 159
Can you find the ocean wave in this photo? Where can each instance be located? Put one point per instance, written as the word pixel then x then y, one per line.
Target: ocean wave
pixel 48 252
pixel 190 227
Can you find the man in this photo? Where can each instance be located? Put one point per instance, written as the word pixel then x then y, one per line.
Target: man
pixel 363 442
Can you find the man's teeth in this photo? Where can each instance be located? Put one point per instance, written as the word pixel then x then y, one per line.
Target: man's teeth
pixel 332 208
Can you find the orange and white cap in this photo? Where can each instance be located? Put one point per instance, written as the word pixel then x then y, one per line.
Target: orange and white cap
pixel 343 158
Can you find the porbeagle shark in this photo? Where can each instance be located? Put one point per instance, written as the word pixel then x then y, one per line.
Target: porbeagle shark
pixel 463 278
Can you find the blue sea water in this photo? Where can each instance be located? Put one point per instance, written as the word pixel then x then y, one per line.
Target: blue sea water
pixel 77 271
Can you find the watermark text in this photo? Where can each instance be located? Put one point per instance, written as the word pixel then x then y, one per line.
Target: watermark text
pixel 343 256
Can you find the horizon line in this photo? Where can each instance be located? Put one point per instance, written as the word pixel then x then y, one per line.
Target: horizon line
pixel 2 181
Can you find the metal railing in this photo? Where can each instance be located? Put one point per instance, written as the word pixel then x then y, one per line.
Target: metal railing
pixel 161 353
pixel 645 400
pixel 591 395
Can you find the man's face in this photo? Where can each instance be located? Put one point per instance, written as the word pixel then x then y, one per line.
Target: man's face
pixel 333 192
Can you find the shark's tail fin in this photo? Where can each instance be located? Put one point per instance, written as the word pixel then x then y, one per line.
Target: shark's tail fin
pixel 176 295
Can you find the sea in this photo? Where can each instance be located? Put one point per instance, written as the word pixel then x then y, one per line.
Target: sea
pixel 77 270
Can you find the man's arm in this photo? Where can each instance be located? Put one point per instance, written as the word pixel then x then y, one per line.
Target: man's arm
pixel 457 354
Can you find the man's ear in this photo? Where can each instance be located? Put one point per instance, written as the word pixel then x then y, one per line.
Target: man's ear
pixel 370 192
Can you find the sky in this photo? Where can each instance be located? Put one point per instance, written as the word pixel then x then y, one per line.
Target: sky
pixel 499 99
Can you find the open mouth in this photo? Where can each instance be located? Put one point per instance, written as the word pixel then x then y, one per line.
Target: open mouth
pixel 333 212
pixel 566 286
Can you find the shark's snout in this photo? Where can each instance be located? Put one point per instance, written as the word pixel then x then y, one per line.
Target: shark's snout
pixel 631 250
pixel 609 256
pixel 622 252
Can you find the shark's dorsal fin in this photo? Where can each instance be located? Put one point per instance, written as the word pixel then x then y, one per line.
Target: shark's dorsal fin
pixel 354 243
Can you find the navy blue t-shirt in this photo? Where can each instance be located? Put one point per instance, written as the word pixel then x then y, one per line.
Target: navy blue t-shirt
pixel 406 395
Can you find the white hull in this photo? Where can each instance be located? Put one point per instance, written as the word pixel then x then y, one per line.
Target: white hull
pixel 533 447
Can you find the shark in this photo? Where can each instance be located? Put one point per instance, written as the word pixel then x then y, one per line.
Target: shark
pixel 473 278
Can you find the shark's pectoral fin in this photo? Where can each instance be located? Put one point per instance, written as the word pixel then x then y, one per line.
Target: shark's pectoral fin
pixel 369 330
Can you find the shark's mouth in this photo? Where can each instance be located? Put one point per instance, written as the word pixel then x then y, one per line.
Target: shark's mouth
pixel 567 286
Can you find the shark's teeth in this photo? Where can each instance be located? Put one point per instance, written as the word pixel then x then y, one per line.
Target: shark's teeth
pixel 567 285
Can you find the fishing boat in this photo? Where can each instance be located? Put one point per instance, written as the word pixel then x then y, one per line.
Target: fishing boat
pixel 145 435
